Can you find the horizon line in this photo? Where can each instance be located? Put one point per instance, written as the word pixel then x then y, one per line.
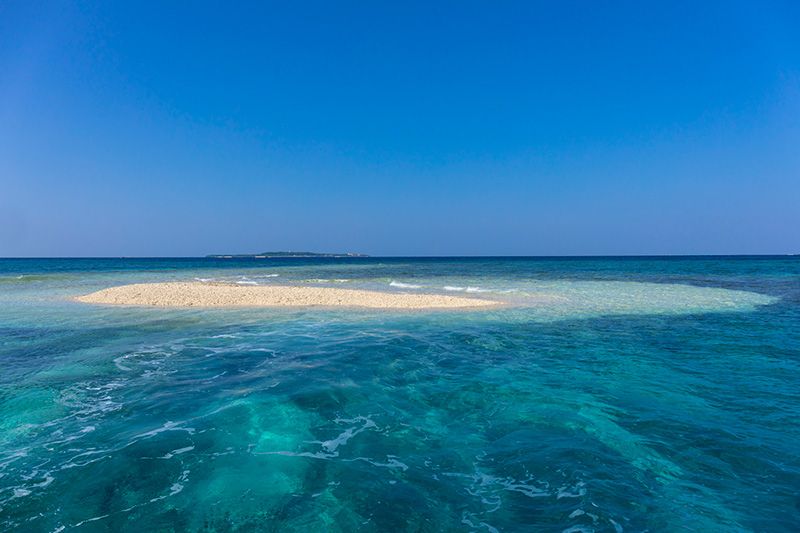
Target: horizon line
pixel 219 257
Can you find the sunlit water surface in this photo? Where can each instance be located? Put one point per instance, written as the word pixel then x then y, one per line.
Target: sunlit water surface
pixel 610 395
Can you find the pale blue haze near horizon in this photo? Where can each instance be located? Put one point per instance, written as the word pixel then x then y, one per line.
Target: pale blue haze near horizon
pixel 409 129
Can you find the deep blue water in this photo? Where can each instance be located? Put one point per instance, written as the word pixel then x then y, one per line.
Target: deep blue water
pixel 613 394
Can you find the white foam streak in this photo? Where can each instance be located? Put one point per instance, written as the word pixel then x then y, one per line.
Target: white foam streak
pixel 401 285
pixel 168 426
pixel 330 446
pixel 455 288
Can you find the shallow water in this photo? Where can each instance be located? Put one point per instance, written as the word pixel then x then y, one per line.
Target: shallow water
pixel 614 394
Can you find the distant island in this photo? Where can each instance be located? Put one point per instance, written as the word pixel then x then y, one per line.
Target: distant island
pixel 267 255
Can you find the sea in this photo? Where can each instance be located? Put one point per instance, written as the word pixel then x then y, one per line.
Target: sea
pixel 609 394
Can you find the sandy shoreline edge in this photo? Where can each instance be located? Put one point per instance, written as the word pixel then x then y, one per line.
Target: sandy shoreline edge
pixel 200 294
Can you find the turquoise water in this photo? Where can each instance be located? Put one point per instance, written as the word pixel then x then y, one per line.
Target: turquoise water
pixel 613 395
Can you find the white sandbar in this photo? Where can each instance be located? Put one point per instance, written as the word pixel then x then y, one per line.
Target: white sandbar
pixel 198 294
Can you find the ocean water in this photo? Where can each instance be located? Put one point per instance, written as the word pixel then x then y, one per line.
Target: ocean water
pixel 613 394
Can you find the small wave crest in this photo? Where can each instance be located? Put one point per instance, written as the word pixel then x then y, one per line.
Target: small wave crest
pixel 28 278
pixel 464 289
pixel 401 285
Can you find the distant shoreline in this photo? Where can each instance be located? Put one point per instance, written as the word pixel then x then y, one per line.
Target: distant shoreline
pixel 674 257
pixel 273 255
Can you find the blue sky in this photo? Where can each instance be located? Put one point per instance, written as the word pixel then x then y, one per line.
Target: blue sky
pixel 474 128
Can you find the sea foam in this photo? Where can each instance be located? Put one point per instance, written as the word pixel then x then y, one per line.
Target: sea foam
pixel 401 285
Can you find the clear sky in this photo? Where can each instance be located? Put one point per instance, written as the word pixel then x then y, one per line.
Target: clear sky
pixel 431 128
